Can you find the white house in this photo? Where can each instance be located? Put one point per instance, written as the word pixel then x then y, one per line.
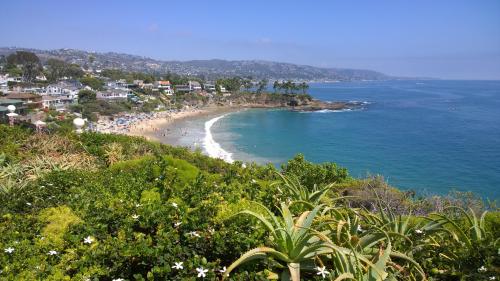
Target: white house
pixel 59 103
pixel 164 85
pixel 113 94
pixel 63 89
pixel 194 86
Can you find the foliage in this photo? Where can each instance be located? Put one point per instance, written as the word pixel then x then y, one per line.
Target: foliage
pixel 57 69
pixel 29 62
pixel 310 174
pixel 94 83
pixel 104 207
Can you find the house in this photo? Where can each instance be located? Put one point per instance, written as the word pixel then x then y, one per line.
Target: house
pixel 29 101
pixel 59 103
pixel 209 87
pixel 65 89
pixel 119 84
pixel 114 94
pixel 194 86
pixel 182 89
pixel 165 86
pixel 138 83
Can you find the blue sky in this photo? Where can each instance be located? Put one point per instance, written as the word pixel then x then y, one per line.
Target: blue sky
pixel 446 39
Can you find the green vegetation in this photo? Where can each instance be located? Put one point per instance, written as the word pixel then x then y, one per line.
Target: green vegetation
pixel 94 83
pixel 26 63
pixel 104 207
pixel 289 87
pixel 57 69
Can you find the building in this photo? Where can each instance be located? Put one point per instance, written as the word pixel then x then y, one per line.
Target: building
pixel 58 103
pixel 114 94
pixel 194 86
pixel 209 87
pixel 182 89
pixel 64 89
pixel 29 101
pixel 165 86
pixel 138 83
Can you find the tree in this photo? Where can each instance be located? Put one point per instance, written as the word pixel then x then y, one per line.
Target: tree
pixel 276 86
pixel 29 62
pixel 92 82
pixel 86 96
pixel 247 84
pixel 304 86
pixel 56 69
pixel 262 86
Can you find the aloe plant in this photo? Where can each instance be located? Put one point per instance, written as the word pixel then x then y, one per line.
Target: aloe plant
pixel 300 193
pixel 293 241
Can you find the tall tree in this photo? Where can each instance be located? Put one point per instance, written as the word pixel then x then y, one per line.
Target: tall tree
pixel 304 86
pixel 262 86
pixel 276 86
pixel 29 62
pixel 85 96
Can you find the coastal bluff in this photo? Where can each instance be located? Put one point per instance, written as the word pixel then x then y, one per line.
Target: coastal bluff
pixel 296 102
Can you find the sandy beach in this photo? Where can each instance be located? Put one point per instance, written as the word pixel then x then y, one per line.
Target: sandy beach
pixel 156 126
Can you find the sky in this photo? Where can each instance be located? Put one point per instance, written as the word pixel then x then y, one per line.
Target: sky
pixel 450 39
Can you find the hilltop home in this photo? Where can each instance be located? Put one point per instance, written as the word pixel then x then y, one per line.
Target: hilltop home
pixel 164 85
pixel 182 89
pixel 114 94
pixel 64 89
pixel 119 84
pixel 194 86
pixel 29 101
pixel 138 83
pixel 209 87
pixel 58 103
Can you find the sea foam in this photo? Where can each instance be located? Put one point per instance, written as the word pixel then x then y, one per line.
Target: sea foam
pixel 213 148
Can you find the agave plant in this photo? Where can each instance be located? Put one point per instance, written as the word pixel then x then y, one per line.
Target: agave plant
pixel 372 255
pixel 299 193
pixel 293 242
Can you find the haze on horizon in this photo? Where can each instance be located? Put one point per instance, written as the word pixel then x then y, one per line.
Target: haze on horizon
pixel 452 39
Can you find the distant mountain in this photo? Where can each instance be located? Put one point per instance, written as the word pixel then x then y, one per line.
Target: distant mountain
pixel 207 69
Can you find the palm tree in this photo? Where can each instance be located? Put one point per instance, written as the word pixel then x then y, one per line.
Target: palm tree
pixel 276 86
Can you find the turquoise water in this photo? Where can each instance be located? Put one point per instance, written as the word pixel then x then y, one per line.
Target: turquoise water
pixel 430 136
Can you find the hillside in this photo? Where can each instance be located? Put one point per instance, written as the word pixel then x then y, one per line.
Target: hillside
pixel 110 207
pixel 208 69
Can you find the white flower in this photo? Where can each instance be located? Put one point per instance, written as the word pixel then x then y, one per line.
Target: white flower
pixel 359 229
pixel 211 231
pixel 254 181
pixel 119 279
pixel 178 265
pixel 88 240
pixel 177 224
pixel 138 205
pixel 493 278
pixel 174 205
pixel 52 253
pixel 418 231
pixel 223 270
pixel 9 250
pixel 482 269
pixel 201 272
pixel 29 204
pixel 134 216
pixel 322 271
pixel 194 234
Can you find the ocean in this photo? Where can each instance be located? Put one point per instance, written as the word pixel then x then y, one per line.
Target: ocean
pixel 429 136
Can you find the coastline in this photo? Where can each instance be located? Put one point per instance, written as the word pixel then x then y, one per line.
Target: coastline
pixel 156 128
